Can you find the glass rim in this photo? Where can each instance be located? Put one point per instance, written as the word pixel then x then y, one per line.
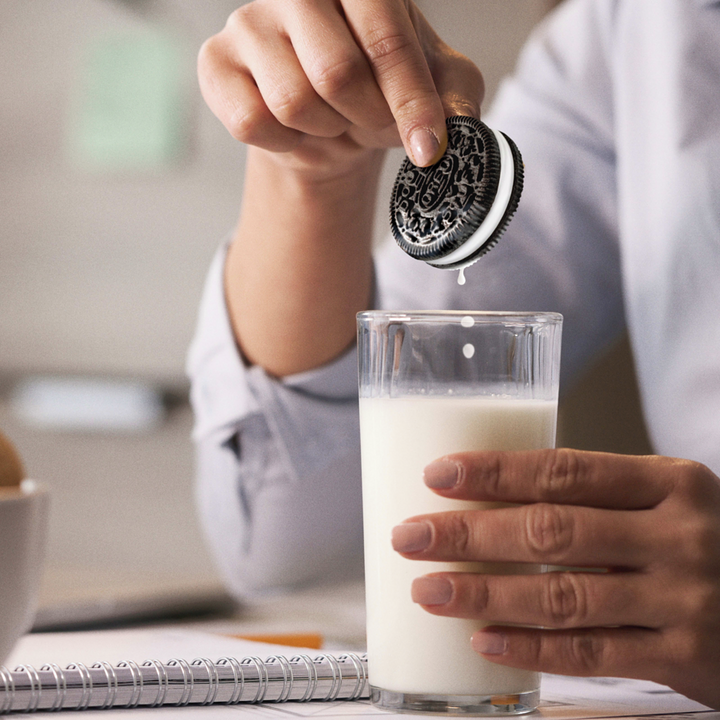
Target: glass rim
pixel 480 316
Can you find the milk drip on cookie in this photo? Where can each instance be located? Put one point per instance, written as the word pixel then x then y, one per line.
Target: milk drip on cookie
pixel 450 214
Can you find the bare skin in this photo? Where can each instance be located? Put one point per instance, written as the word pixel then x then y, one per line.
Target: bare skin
pixel 653 522
pixel 319 89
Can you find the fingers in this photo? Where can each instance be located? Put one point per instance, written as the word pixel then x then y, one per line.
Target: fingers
pixel 254 82
pixel 572 477
pixel 289 94
pixel 687 664
pixel 657 519
pixel 618 652
pixel 231 93
pixel 560 600
pixel 336 67
pixel 386 34
pixel 372 68
pixel 537 533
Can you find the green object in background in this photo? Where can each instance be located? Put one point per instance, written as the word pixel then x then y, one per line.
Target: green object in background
pixel 129 112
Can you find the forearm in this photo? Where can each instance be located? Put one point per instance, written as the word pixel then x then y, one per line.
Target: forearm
pixel 316 87
pixel 278 465
pixel 300 266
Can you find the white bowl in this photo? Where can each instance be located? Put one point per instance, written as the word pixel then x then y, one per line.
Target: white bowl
pixel 24 512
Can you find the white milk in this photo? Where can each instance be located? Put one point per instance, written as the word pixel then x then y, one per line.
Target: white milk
pixel 410 650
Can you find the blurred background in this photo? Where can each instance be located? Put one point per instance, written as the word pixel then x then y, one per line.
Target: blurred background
pixel 116 187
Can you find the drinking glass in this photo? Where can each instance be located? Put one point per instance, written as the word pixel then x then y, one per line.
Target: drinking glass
pixel 434 383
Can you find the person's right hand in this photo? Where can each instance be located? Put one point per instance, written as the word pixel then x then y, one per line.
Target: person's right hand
pixel 321 80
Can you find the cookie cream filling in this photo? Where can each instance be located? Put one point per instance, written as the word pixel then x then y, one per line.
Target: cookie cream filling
pixel 494 216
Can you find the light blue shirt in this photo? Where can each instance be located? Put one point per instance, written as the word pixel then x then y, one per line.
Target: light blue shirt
pixel 615 106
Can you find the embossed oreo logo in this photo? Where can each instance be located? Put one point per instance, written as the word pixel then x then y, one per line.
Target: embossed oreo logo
pixel 434 186
pixel 431 205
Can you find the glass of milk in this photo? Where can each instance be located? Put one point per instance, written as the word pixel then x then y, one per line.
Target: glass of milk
pixel 433 383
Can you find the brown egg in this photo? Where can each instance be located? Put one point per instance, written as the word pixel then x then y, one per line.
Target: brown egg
pixel 11 467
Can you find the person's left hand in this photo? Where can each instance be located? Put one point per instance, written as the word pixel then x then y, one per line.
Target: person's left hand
pixel 652 522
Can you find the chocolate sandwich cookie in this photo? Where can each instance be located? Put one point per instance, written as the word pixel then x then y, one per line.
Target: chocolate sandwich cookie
pixel 452 213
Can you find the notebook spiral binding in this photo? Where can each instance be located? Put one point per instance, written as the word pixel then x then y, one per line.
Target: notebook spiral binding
pixel 179 682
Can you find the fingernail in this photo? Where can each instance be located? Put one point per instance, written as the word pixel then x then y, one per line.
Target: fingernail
pixel 431 590
pixel 489 643
pixel 424 146
pixel 411 537
pixel 441 474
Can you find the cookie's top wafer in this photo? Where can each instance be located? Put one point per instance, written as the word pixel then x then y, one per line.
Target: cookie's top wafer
pixel 453 212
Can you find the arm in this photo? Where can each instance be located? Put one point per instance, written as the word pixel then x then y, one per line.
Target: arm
pixel 317 95
pixel 318 90
pixel 277 453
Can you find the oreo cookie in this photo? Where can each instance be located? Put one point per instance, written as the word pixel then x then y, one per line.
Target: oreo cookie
pixel 450 214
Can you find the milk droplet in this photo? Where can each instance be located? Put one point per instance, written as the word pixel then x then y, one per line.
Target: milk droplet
pixel 468 321
pixel 461 276
pixel 468 350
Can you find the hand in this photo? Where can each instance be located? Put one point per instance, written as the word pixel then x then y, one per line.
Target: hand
pixel 652 522
pixel 297 76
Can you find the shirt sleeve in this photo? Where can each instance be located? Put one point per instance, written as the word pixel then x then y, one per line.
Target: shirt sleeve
pixel 279 460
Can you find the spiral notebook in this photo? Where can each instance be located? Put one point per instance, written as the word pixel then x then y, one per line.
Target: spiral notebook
pixel 229 680
pixel 120 669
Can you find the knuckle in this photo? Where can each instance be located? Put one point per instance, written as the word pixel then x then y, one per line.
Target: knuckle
pixel 212 56
pixel 702 603
pixel 245 124
pixel 548 530
pixel 694 543
pixel 331 79
pixel 695 480
pixel 386 49
pixel 696 539
pixel 287 105
pixel 487 475
pixel 564 601
pixel 562 472
pixel 241 18
pixel 460 535
pixel 479 599
pixel 208 53
pixel 469 70
pixel 705 547
pixel 586 653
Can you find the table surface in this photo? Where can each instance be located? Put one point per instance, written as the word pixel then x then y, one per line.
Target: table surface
pixel 334 612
